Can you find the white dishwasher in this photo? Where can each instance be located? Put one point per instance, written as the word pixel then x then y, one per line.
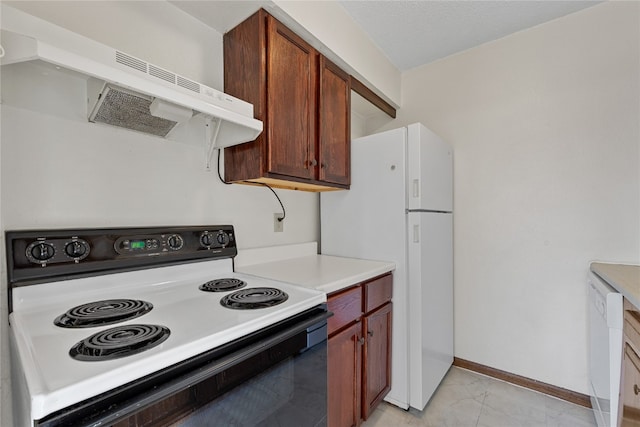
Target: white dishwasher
pixel 605 349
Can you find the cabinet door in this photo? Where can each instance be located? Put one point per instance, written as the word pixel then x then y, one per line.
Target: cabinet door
pixel 377 358
pixel 630 388
pixel 344 377
pixel 334 124
pixel 291 102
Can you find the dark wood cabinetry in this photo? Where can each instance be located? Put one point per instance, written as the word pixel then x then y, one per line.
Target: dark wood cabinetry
pixel 376 379
pixel 344 376
pixel 359 350
pixel 303 100
pixel 630 384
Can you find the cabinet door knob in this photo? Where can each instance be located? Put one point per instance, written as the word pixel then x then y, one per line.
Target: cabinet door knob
pixel 361 340
pixel 323 165
pixel 636 389
pixel 370 333
pixel 314 162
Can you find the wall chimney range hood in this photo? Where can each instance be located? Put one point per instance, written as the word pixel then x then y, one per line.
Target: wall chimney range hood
pixel 125 91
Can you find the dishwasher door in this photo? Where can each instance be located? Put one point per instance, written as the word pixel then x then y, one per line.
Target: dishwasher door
pixel 605 349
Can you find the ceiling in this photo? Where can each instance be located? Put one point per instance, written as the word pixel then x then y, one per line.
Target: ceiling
pixel 413 33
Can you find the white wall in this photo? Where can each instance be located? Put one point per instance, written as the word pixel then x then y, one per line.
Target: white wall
pixel 128 178
pixel 58 171
pixel 545 130
pixel 339 34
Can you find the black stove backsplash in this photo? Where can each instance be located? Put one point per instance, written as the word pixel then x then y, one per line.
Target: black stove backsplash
pixel 36 256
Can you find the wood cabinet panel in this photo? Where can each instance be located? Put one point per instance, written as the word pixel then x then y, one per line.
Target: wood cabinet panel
pixel 378 292
pixel 344 377
pixel 291 98
pixel 630 388
pixel 376 381
pixel 270 66
pixel 372 329
pixel 244 68
pixel 334 124
pixel 346 307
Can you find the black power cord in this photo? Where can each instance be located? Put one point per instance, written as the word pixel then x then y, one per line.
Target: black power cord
pixel 284 213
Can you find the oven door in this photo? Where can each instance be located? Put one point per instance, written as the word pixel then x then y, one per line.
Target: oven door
pixel 274 377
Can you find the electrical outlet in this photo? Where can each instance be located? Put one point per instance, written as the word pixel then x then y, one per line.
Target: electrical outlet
pixel 278 226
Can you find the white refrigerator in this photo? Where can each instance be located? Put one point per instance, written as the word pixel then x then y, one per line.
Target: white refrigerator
pixel 400 208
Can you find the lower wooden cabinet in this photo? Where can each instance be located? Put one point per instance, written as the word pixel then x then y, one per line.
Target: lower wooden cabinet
pixel 630 384
pixel 359 359
pixel 345 368
pixel 376 380
pixel 630 388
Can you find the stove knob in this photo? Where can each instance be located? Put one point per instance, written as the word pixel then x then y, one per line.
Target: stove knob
pixel 76 249
pixel 42 252
pixel 206 239
pixel 222 238
pixel 175 242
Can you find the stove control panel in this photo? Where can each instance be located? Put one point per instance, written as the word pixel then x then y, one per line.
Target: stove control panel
pixel 66 253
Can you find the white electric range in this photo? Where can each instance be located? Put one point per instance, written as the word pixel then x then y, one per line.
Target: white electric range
pixel 89 350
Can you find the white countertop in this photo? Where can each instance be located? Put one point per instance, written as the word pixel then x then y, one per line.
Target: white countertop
pixel 321 272
pixel 624 278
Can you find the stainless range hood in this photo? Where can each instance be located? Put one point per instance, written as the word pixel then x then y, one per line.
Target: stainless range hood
pixel 125 91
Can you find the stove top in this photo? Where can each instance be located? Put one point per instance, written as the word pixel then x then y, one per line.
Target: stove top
pixel 153 318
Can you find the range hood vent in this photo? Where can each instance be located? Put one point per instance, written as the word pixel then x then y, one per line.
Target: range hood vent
pixel 117 106
pixel 125 91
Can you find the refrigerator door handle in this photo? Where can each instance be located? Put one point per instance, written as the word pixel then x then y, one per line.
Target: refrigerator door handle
pixel 416 233
pixel 416 188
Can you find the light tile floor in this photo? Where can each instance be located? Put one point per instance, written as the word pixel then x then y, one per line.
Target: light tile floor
pixel 468 399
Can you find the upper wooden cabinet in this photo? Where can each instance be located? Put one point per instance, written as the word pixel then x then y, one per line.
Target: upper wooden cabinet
pixel 303 101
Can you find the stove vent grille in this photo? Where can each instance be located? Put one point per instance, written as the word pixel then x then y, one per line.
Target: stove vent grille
pixel 157 72
pixel 130 61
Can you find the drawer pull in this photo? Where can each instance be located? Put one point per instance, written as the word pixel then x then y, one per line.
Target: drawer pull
pixel 636 389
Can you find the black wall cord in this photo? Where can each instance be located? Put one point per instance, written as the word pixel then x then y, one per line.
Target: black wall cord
pixel 284 213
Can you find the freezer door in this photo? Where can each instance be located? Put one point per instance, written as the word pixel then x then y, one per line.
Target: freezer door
pixel 430 170
pixel 430 259
pixel 368 220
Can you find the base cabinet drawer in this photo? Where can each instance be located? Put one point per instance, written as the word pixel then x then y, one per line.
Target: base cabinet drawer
pixel 346 307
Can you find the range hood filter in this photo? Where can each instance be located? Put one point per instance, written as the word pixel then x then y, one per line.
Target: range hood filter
pixel 120 107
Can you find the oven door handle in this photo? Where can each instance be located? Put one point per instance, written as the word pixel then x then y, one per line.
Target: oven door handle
pixel 213 366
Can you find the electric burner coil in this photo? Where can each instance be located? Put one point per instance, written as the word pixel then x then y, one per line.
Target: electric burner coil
pixel 252 298
pixel 223 285
pixel 101 313
pixel 120 341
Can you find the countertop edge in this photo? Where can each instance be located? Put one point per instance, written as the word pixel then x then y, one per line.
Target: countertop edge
pixel 619 277
pixel 312 273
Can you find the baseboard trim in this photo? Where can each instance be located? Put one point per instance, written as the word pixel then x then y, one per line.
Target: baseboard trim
pixel 551 390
